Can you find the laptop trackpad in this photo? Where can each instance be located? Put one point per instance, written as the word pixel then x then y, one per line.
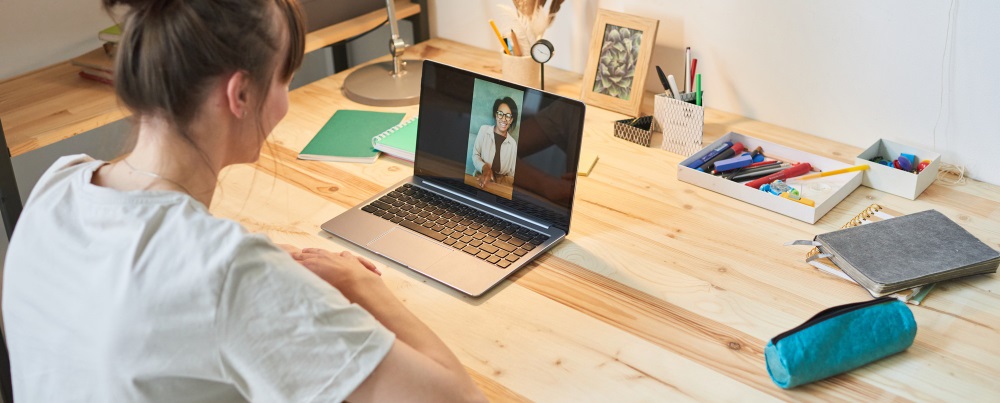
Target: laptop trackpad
pixel 409 249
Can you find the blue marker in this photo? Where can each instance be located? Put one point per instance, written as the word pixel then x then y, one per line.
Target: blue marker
pixel 711 154
pixel 733 163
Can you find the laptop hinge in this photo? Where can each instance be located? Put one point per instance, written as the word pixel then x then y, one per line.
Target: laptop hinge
pixel 484 206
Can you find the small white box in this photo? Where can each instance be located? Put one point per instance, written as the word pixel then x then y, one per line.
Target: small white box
pixel 826 191
pixel 896 181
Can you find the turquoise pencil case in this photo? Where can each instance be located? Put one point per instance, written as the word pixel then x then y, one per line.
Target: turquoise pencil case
pixel 839 339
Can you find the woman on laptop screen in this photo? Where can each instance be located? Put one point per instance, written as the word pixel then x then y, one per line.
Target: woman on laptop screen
pixel 151 298
pixel 494 147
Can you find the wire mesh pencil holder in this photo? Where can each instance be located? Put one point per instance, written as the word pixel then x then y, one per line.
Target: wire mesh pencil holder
pixel 681 122
pixel 637 130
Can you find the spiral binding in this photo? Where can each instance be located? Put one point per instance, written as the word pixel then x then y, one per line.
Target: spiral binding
pixel 390 130
pixel 865 214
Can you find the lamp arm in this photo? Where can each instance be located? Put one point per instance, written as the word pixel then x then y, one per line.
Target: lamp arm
pixel 396 43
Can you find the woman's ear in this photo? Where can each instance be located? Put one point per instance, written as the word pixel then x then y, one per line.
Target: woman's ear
pixel 237 89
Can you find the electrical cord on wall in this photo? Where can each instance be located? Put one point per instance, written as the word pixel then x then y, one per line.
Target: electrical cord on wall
pixel 949 174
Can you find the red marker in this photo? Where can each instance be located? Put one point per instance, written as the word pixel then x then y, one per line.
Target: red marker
pixel 791 172
pixel 694 66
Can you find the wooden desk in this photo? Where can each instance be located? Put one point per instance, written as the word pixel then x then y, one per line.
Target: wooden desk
pixel 51 104
pixel 663 291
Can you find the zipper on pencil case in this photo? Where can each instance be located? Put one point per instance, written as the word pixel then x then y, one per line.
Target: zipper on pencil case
pixel 830 313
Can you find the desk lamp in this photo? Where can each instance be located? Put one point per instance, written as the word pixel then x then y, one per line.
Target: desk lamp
pixel 387 83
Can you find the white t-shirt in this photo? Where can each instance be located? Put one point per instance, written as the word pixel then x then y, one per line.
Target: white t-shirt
pixel 118 296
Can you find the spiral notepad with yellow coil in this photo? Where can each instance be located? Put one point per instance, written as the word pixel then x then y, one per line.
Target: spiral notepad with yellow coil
pixel 870 214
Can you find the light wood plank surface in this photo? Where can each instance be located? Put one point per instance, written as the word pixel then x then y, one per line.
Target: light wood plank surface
pixel 663 291
pixel 54 103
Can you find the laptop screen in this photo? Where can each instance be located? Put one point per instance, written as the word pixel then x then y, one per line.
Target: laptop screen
pixel 499 142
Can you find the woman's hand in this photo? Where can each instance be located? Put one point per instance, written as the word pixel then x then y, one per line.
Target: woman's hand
pixel 291 249
pixel 343 270
pixel 487 176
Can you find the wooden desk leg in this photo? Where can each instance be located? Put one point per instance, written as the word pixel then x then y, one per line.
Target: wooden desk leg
pixel 339 51
pixel 10 208
pixel 10 198
pixel 421 28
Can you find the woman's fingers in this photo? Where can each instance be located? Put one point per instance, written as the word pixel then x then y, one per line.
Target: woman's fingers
pixel 290 249
pixel 369 265
pixel 310 255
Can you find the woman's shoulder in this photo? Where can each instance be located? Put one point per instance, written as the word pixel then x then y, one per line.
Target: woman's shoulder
pixel 68 164
pixel 485 130
pixel 64 168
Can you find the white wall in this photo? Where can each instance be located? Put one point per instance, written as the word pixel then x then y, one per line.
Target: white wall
pixel 850 70
pixel 37 33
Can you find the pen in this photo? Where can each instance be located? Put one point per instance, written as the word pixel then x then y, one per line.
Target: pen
pixel 755 173
pixel 748 172
pixel 759 163
pixel 687 68
pixel 500 37
pixel 711 154
pixel 694 66
pixel 748 168
pixel 835 172
pixel 673 86
pixel 697 89
pixel 752 167
pixel 790 172
pixel 663 80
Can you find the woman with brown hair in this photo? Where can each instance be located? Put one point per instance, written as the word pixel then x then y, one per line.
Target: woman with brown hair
pixel 151 298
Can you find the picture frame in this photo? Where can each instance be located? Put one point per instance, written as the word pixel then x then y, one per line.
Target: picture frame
pixel 619 54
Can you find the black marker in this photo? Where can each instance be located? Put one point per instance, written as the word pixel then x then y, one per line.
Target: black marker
pixel 663 80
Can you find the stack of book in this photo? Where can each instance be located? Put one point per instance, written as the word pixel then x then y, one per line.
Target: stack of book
pixel 98 64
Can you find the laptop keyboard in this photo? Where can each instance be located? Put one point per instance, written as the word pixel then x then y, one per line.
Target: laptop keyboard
pixel 472 231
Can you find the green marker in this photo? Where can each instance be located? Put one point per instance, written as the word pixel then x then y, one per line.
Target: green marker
pixel 697 89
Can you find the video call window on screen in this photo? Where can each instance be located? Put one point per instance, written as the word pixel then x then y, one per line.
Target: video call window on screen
pixel 492 162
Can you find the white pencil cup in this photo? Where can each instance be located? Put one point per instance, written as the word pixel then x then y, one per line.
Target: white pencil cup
pixel 681 123
pixel 521 70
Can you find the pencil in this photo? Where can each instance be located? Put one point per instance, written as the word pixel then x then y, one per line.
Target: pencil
pixel 503 43
pixel 835 172
pixel 517 45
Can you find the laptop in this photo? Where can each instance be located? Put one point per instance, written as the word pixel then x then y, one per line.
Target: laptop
pixel 455 223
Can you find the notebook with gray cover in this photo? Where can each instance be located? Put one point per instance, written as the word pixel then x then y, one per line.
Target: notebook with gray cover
pixel 904 252
pixel 493 181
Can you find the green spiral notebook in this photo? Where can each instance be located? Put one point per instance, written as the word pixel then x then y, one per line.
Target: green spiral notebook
pixel 400 141
pixel 347 136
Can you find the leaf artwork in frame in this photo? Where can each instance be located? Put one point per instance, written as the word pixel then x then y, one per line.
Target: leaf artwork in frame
pixel 617 62
pixel 621 46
